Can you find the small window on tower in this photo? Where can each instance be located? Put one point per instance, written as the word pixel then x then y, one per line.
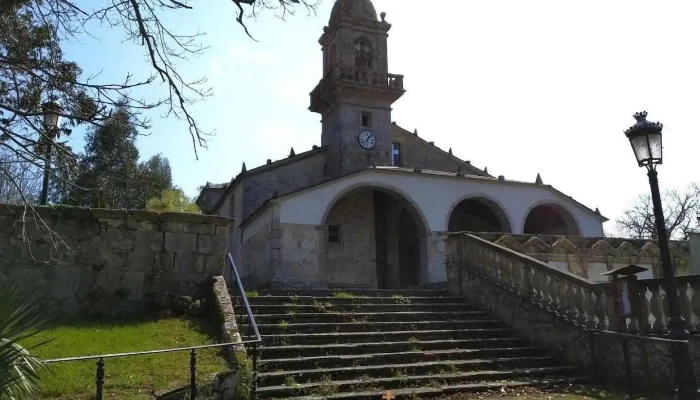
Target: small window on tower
pixel 333 234
pixel 396 154
pixel 366 119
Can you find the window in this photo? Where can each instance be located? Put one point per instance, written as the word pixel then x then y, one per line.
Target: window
pixel 333 234
pixel 396 154
pixel 366 119
pixel 363 53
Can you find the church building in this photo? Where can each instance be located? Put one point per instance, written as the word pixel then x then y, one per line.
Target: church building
pixel 369 206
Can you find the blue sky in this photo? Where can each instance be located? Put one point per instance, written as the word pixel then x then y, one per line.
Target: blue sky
pixel 521 87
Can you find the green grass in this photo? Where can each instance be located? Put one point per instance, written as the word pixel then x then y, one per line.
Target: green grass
pixel 133 377
pixel 252 293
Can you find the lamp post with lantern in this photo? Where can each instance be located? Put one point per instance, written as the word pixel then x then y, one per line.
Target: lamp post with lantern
pixel 645 138
pixel 52 116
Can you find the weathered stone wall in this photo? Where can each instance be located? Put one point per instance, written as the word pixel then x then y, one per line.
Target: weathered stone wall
pixel 262 186
pixel 352 261
pixel 108 261
pixel 589 257
pixel 416 152
pixel 299 256
pixel 256 265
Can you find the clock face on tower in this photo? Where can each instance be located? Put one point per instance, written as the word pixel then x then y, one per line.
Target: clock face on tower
pixel 367 140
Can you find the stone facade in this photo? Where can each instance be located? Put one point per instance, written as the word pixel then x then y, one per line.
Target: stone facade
pixel 356 93
pixel 260 186
pixel 108 261
pixel 352 260
pixel 590 257
pixel 416 152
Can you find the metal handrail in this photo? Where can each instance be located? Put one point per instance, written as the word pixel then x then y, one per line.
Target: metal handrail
pixel 251 317
pixel 252 325
pixel 100 371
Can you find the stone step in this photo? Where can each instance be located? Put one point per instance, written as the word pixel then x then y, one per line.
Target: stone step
pixel 327 307
pixel 429 392
pixel 291 328
pixel 346 300
pixel 392 383
pixel 368 337
pixel 270 352
pixel 356 292
pixel 337 361
pixel 401 316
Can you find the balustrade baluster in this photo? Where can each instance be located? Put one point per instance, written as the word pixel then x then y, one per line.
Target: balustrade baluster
pixel 644 310
pixel 694 322
pixel 519 276
pixel 685 298
pixel 598 308
pixel 655 309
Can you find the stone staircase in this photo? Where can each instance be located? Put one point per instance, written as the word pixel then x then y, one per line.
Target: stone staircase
pixel 357 344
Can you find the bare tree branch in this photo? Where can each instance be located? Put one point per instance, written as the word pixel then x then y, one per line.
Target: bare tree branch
pixel 681 210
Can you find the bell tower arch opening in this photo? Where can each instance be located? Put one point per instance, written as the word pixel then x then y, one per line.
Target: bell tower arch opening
pixel 355 95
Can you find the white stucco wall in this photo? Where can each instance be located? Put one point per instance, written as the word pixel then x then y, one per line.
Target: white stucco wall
pixel 434 197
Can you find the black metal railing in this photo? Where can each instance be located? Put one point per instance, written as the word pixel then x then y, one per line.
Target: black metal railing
pixel 252 326
pixel 250 342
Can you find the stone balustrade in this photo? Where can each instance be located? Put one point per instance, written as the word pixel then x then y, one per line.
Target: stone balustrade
pixel 582 301
pixel 654 304
pixel 388 86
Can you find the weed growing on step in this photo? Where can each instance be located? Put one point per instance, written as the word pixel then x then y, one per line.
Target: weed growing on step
pixel 343 295
pixel 290 381
pixel 290 312
pixel 326 388
pixel 413 339
pixel 358 320
pixel 399 299
pixel 414 396
pixel 252 293
pixel 294 298
pixel 283 325
pixel 365 378
pixel 415 348
pixel 399 373
pixel 435 383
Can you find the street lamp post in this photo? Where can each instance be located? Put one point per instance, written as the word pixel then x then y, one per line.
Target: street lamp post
pixel 645 138
pixel 52 116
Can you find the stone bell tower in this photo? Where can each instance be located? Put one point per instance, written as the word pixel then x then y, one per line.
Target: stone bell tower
pixel 355 95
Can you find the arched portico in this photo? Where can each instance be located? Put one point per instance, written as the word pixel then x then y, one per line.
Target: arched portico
pixel 550 219
pixel 374 236
pixel 478 214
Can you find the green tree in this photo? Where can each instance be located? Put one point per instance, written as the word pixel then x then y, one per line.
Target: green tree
pixel 154 177
pixel 109 175
pixel 173 200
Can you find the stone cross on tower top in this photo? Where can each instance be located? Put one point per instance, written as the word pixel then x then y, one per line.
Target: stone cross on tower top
pixel 356 92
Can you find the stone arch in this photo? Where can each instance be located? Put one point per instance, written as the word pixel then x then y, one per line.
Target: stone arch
pixel 363 53
pixel 549 218
pixel 478 213
pixel 383 187
pixel 375 236
pixel 331 57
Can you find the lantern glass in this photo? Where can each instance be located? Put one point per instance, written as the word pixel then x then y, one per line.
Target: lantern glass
pixel 655 151
pixel 641 149
pixel 647 148
pixel 51 120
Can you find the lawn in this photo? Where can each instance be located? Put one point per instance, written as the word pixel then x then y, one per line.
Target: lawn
pixel 125 378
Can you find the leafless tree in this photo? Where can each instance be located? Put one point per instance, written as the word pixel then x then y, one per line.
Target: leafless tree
pixel 34 71
pixel 19 180
pixel 681 211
